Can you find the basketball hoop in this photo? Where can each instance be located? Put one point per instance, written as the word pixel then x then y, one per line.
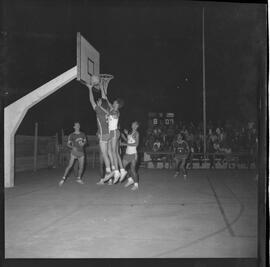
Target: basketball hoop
pixel 104 80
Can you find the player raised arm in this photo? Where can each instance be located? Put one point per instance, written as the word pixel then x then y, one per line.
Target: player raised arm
pixel 124 134
pixel 91 96
pixel 104 96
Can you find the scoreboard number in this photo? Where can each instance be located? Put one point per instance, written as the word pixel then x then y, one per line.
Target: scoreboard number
pixel 157 118
pixel 169 121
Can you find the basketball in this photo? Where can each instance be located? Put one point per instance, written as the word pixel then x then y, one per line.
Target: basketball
pixel 94 80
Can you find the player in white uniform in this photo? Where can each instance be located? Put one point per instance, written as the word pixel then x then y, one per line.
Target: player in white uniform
pixel 113 118
pixel 131 156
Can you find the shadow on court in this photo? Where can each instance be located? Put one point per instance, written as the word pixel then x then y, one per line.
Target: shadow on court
pixel 211 214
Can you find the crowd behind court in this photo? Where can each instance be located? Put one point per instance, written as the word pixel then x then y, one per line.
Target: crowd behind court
pixel 222 140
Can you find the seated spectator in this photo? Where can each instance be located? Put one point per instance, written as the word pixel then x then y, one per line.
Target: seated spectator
pixel 221 140
pixel 212 137
pixel 198 149
pixel 149 142
pixel 236 141
pixel 157 146
pixel 170 134
pixel 213 148
pixel 228 154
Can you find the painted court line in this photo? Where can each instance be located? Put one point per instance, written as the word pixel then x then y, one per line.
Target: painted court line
pixel 203 238
pixel 221 209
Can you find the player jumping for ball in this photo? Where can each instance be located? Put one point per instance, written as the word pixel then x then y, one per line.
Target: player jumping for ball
pixel 76 141
pixel 181 152
pixel 113 118
pixel 131 155
pixel 103 129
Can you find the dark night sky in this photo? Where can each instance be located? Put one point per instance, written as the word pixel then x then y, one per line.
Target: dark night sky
pixel 154 52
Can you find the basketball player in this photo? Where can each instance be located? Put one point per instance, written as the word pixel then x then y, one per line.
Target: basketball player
pixel 103 129
pixel 123 172
pixel 76 141
pixel 181 152
pixel 113 118
pixel 102 170
pixel 101 166
pixel 131 156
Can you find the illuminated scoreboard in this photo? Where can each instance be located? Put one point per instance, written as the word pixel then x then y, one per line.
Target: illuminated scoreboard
pixel 161 118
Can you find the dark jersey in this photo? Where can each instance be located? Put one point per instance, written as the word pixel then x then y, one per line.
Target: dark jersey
pixel 156 146
pixel 75 140
pixel 102 120
pixel 181 148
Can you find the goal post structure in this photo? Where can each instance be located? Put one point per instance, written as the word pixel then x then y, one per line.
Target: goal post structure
pixel 15 112
pixel 88 65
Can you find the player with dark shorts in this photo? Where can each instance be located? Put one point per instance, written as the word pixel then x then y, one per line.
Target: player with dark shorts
pixel 131 156
pixel 103 129
pixel 181 152
pixel 76 141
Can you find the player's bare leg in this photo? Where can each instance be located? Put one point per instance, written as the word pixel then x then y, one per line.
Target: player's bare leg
pixel 68 168
pixel 134 175
pixel 177 163
pixel 81 166
pixel 123 172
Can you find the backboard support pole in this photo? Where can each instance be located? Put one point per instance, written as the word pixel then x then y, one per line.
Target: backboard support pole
pixel 15 112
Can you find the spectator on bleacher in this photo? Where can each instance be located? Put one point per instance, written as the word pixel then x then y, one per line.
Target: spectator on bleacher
pixel 190 138
pixel 213 149
pixel 198 149
pixel 235 140
pixel 149 132
pixel 163 137
pixel 149 142
pixel 170 134
pixel 212 136
pixel 241 140
pixel 227 150
pixel 157 146
pixel 220 135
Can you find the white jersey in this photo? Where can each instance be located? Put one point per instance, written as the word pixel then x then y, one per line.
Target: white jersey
pixel 131 149
pixel 113 121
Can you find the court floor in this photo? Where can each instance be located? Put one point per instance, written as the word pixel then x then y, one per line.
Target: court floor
pixel 211 214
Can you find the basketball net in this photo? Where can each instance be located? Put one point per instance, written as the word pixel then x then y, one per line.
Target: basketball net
pixel 104 81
